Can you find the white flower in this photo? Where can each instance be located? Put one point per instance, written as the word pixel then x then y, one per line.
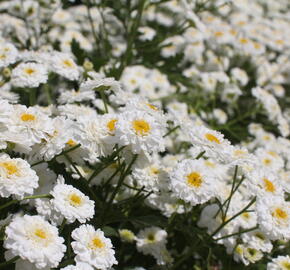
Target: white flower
pixel 147 33
pixel 29 122
pixel 192 182
pixel 8 54
pixel 279 263
pixel 212 141
pixel 65 66
pixel 16 177
pixel 91 246
pixel 63 135
pixel 34 239
pixel 274 217
pixel 150 240
pixel 141 131
pixel 29 75
pixel 71 203
pixel 71 96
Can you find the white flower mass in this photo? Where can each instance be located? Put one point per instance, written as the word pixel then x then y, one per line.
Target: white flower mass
pixel 141 135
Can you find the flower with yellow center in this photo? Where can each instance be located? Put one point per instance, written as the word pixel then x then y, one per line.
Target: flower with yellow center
pixel 71 203
pixel 194 179
pixel 92 247
pixel 27 117
pixel 193 182
pixel 35 240
pixel 141 127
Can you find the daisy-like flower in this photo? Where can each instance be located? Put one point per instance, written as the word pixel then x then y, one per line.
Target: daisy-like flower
pixel 265 183
pixel 16 177
pixel 29 75
pixel 8 54
pixel 72 203
pixel 127 235
pixel 192 182
pixel 65 66
pixel 213 141
pixel 30 122
pixel 92 247
pixel 274 217
pixel 34 239
pixel 151 240
pixel 279 263
pixel 141 131
pixel 247 254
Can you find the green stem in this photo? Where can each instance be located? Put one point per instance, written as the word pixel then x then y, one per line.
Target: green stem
pixel 233 217
pixel 25 198
pixel 200 155
pixel 62 153
pixel 128 54
pixel 14 259
pixel 8 204
pixel 170 131
pixel 232 191
pixel 104 100
pixel 237 233
pixel 32 96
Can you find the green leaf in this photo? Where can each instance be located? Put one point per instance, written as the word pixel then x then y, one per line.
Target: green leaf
pixel 109 231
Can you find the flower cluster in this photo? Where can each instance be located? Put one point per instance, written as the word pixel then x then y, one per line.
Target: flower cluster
pixel 144 133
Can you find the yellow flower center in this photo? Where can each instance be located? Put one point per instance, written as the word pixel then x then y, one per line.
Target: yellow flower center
pixel 279 42
pixel 209 164
pixel 246 215
pixel 150 237
pixel 68 63
pixel 141 127
pixel 40 233
pixel 212 138
pixel 280 213
pixel 194 179
pixel 257 45
pixel 269 186
pixel 97 243
pixel 267 161
pixel 10 167
pixel 152 107
pixel 29 71
pixel 244 40
pixel 112 125
pixel 286 265
pixel 155 170
pixel 27 117
pixel 218 34
pixel 71 142
pixel 75 200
